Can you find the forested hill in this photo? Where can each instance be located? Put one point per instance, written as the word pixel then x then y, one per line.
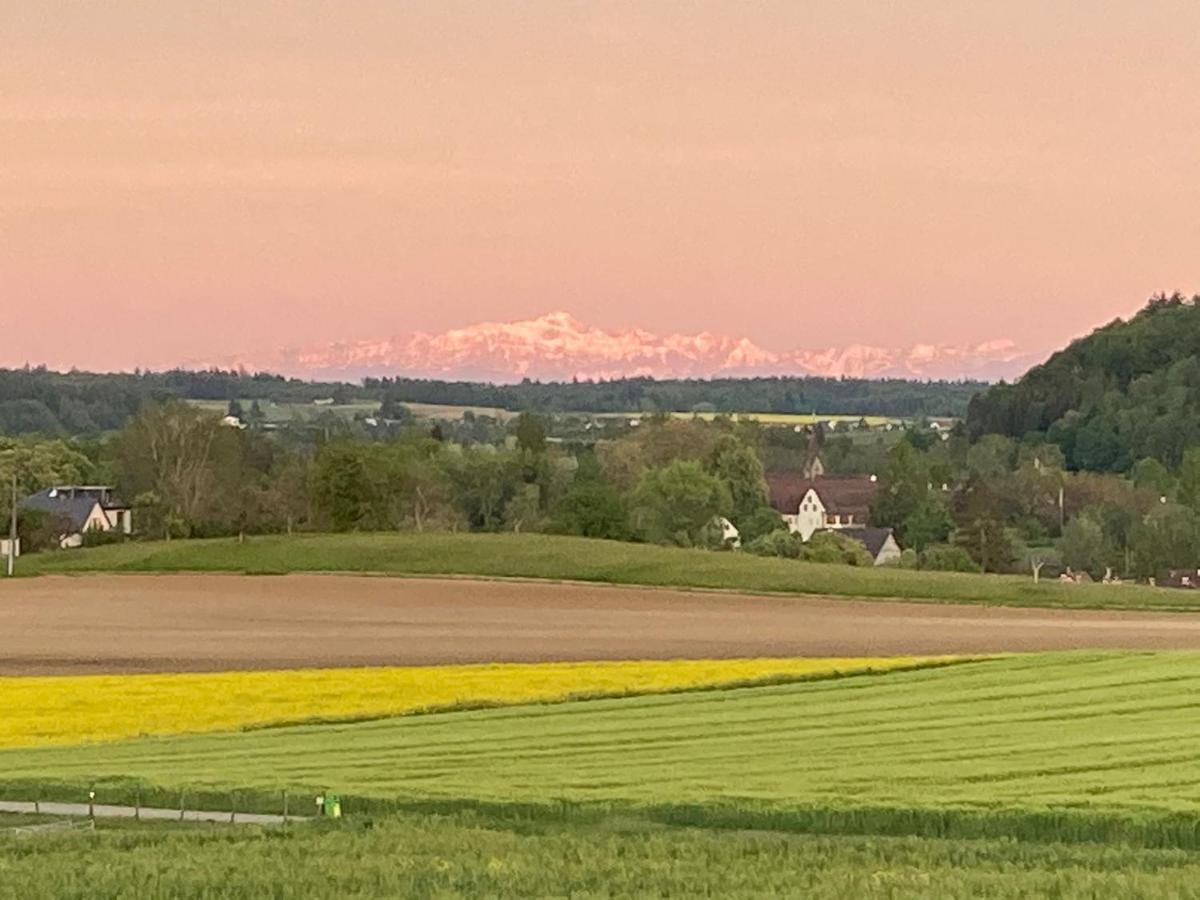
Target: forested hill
pixel 38 401
pixel 1127 392
pixel 853 396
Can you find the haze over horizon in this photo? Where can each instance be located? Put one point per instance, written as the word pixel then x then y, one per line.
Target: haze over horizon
pixel 709 188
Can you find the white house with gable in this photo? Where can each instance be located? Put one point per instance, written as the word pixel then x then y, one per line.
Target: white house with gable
pixel 839 503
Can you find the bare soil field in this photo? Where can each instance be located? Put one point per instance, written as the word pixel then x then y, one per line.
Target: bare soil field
pixel 158 623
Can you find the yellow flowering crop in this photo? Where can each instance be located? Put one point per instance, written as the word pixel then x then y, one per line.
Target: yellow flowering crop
pixel 42 711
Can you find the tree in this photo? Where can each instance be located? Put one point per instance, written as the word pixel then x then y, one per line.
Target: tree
pixel 739 467
pixel 1187 491
pixel 39 464
pixel 763 521
pixel 1169 538
pixel 988 542
pixel 164 456
pixel 524 509
pixel 531 433
pixel 592 508
pixel 1084 546
pixel 342 488
pixel 676 503
pixel 1151 475
pixel 483 481
pixel 929 523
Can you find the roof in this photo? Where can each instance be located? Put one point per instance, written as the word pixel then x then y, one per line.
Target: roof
pixel 74 507
pixel 844 495
pixel 871 538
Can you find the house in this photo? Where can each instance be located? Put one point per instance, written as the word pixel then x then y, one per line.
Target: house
pixel 730 536
pixel 828 502
pixel 1188 579
pixel 880 543
pixel 82 508
pixel 840 503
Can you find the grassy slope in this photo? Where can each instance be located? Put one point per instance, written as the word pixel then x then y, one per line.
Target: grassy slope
pixel 580 559
pixel 466 855
pixel 1018 739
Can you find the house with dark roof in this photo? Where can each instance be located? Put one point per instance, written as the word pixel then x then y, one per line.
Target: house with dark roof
pixel 839 503
pixel 880 543
pixel 80 509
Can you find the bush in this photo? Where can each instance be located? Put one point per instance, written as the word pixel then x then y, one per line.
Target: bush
pixel 97 538
pixel 831 547
pixel 781 543
pixel 945 558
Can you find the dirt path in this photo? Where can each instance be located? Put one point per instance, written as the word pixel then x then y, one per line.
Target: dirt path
pixel 148 623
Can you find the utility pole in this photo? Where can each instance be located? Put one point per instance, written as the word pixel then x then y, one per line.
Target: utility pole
pixel 12 526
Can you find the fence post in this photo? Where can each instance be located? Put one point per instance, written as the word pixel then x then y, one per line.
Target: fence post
pixel 232 806
pixel 137 804
pixel 92 806
pixel 37 801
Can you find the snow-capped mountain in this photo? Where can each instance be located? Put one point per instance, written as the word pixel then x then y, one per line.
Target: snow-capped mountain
pixel 557 346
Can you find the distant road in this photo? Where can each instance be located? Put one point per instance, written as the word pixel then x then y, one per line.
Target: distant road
pixel 160 623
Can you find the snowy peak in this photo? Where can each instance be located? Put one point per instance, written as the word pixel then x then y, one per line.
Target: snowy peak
pixel 557 346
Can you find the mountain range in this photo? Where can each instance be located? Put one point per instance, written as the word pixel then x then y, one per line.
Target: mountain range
pixel 557 346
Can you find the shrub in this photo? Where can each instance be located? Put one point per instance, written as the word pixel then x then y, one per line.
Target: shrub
pixel 781 543
pixel 946 558
pixel 831 547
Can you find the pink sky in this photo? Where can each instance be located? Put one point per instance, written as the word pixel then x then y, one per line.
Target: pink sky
pixel 185 180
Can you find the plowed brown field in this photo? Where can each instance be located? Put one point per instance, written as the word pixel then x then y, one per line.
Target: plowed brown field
pixel 157 623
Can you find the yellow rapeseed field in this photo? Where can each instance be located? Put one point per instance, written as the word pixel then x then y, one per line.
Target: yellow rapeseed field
pixel 42 711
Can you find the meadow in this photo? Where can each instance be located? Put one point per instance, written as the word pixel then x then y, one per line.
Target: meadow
pixel 539 556
pixel 70 710
pixel 468 854
pixel 1055 747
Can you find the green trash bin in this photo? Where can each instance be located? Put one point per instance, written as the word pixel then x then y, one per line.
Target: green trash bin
pixel 332 806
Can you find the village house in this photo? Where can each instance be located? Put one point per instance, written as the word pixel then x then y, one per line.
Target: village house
pixel 840 503
pixel 80 509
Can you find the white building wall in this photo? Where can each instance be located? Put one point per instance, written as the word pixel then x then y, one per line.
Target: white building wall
pixel 811 515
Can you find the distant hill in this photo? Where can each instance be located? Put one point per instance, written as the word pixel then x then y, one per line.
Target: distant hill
pixel 38 401
pixel 1128 391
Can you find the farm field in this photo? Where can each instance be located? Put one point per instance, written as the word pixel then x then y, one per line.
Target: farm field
pixel 768 418
pixel 98 624
pixel 1085 746
pixel 469 854
pixel 536 556
pixel 75 710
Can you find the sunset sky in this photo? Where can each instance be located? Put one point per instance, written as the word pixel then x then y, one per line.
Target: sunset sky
pixel 183 180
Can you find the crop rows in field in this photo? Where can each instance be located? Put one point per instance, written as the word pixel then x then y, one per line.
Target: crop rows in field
pixel 1100 731
pixel 468 855
pixel 45 711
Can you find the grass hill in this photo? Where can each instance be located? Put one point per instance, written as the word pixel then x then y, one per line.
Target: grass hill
pixel 1128 391
pixel 561 558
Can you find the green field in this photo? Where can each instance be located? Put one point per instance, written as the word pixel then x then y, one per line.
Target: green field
pixel 1051 747
pixel 581 559
pixel 480 856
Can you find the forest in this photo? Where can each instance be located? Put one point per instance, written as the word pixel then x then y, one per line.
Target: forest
pixel 1126 393
pixel 39 401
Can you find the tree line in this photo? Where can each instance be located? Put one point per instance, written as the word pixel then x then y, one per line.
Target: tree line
pixel 36 401
pixel 189 475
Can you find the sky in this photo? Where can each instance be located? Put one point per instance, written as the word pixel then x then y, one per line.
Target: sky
pixel 184 180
